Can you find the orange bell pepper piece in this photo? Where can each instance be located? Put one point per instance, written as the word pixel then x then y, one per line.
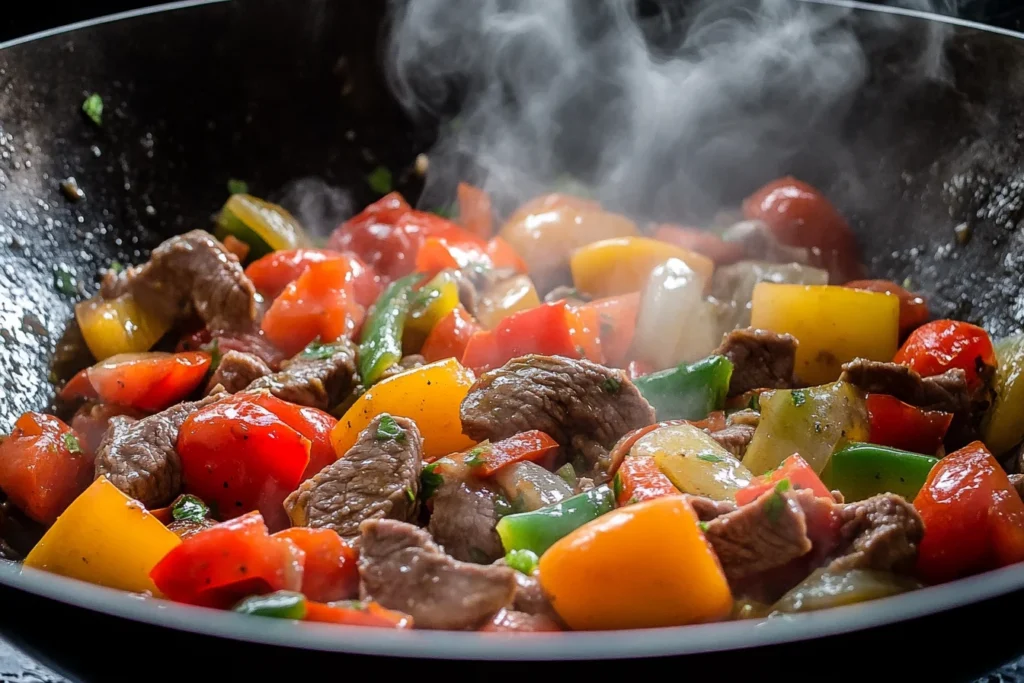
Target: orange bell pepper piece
pixel 475 210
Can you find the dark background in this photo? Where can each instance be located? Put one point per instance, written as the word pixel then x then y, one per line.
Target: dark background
pixel 33 17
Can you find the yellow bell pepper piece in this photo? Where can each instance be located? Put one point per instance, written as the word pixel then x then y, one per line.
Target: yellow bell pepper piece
pixel 265 227
pixel 431 304
pixel 624 264
pixel 106 538
pixel 1004 425
pixel 504 298
pixel 833 325
pixel 641 566
pixel 121 325
pixel 430 396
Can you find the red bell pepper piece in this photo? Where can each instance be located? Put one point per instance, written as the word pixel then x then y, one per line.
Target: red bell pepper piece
pixel 219 566
pixel 490 458
pixel 703 242
pixel 357 613
pixel 503 255
pixel 78 387
pixel 148 381
pixel 319 304
pixel 795 469
pixel 43 468
pixel 455 248
pixel 585 330
pixel 239 456
pixel 312 423
pixel 475 212
pixel 639 479
pixel 622 447
pixel 913 308
pixel 330 571
pixel 236 246
pixel 972 514
pixel 943 345
pixel 275 271
pixel 449 337
pixel 616 324
pixel 899 425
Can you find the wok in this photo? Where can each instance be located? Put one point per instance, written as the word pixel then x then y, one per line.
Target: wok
pixel 200 92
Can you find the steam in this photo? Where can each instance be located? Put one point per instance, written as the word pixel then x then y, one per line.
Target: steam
pixel 667 116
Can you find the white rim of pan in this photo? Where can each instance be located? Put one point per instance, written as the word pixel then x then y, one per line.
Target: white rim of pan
pixel 682 640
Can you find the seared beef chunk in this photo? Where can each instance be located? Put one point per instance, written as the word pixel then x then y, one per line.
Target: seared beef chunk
pixel 760 359
pixel 236 371
pixel 191 272
pixel 186 528
pixel 140 457
pixel 463 520
pixel 403 569
pixel 407 363
pixel 520 622
pixel 879 533
pixel 379 477
pixel 530 598
pixel 317 378
pixel 584 406
pixel 92 420
pixel 708 509
pixel 735 438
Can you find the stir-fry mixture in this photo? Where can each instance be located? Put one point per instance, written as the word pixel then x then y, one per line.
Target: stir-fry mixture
pixel 554 420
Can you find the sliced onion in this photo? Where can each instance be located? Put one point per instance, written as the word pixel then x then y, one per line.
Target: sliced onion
pixel 825 590
pixel 531 487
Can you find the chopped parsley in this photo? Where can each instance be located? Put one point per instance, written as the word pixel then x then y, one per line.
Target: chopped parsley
pixel 93 108
pixel 410 494
pixel 116 267
pixel 388 429
pixel 189 509
pixel 65 282
pixel 523 561
pixel 703 526
pixel 237 186
pixel 709 457
pixel 71 443
pixel 617 485
pixel 380 180
pixel 213 348
pixel 430 480
pixel 755 403
pixel 773 506
pixel 799 397
pixel 475 456
pixel 318 350
pixel 611 385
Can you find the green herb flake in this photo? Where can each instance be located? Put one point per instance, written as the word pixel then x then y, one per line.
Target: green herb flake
pixel 703 526
pixel 475 456
pixel 611 385
pixel 213 348
pixel 93 108
pixel 410 494
pixel 783 485
pixel 189 509
pixel 71 443
pixel 380 180
pixel 523 561
pixel 388 429
pixel 799 397
pixel 318 350
pixel 755 403
pixel 430 480
pixel 709 457
pixel 774 506
pixel 237 186
pixel 617 485
pixel 65 282
pixel 117 267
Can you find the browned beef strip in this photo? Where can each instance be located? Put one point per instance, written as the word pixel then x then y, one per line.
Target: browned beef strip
pixel 584 406
pixel 474 282
pixel 379 477
pixel 407 363
pixel 708 509
pixel 318 379
pixel 236 371
pixel 735 438
pixel 140 457
pixel 192 271
pixel 882 533
pixel 463 520
pixel 512 621
pixel 529 597
pixel 760 360
pixel 92 420
pixel 403 569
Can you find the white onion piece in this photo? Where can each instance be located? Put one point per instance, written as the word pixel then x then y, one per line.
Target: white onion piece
pixel 530 487
pixel 675 323
pixel 759 242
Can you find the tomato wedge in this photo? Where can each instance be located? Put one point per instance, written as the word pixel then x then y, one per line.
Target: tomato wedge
pixel 330 571
pixel 148 381
pixel 796 470
pixel 275 271
pixel 943 345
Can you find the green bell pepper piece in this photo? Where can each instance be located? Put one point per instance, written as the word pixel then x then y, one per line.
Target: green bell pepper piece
pixel 689 391
pixel 538 530
pixel 523 561
pixel 380 346
pixel 862 470
pixel 280 605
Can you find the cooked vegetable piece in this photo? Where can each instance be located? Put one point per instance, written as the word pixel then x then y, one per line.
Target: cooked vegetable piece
pixel 489 458
pixel 733 286
pixel 445 382
pixel 529 486
pixel 149 381
pixel 824 589
pixel 862 470
pixel 813 422
pixel 693 461
pixel 539 529
pixel 702 242
pixel 1004 424
pixel 219 566
pixel 450 246
pixel 330 571
pixel 972 514
pixel 278 605
pixel 943 345
pixel 673 575
pixel 794 470
pixel 381 342
pixel 265 227
pixel 523 561
pixel 275 271
pixel 624 264
pixel 568 474
pixel 356 613
pixel 43 467
pixel 913 308
pixel 833 325
pixel 449 337
pixel 505 297
pixel 428 306
pixel 899 425
pixel 617 317
pixel 187 509
pixel 114 326
pixel 314 424
pixel 640 479
pixel 689 391
pixel 105 537
pixel 475 210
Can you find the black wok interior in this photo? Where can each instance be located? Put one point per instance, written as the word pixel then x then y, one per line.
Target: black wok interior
pixel 284 90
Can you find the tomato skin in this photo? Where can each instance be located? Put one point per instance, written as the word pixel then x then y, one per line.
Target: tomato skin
pixel 148 381
pixel 78 387
pixel 312 423
pixel 241 457
pixel 943 345
pixel 357 614
pixel 219 566
pixel 275 271
pixel 913 308
pixel 899 425
pixel 973 517
pixel 38 470
pixel 701 241
pixel 449 337
pixel 330 572
pixel 796 470
pixel 800 216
